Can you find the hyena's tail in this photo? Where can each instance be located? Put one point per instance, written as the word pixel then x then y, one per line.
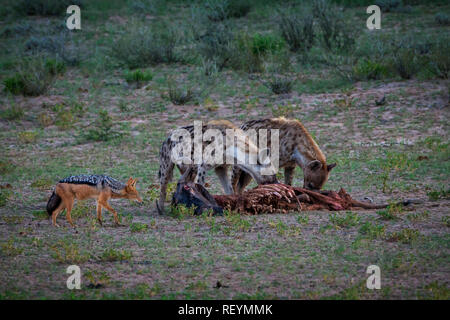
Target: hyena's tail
pixel 53 203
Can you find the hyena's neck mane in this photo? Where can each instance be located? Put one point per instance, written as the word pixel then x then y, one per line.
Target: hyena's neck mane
pixel 99 181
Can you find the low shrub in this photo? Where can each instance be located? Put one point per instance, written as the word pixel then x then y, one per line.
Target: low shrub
pixel 44 7
pixel 180 95
pixel 5 195
pixel 406 63
pixel 14 112
pixel 27 136
pixel 297 30
pixel 32 79
pixel 55 67
pixel 389 5
pixel 439 60
pixel 219 10
pixel 336 34
pixel 102 128
pixel 64 119
pixel 404 236
pixel 280 84
pixel 142 46
pixel 369 70
pixel 216 45
pixel 138 77
pixel 116 255
pixel 266 43
pixel 244 56
pixel 442 19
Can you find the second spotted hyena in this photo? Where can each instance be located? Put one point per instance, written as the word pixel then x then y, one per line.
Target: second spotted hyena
pixel 297 147
pixel 238 150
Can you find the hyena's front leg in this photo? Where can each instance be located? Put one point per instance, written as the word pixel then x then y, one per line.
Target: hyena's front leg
pixel 222 173
pixel 165 175
pixel 240 179
pixel 289 175
pixel 235 174
pixel 201 173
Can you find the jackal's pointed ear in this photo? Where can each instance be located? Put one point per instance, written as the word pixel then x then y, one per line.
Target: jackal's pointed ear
pixel 130 181
pixel 134 183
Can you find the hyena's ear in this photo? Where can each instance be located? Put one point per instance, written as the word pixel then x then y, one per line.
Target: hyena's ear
pixel 315 165
pixel 330 166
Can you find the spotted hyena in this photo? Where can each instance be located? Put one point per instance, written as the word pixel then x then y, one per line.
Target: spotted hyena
pixel 297 147
pixel 239 150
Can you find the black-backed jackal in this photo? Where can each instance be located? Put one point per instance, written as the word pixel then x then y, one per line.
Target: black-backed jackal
pixel 99 187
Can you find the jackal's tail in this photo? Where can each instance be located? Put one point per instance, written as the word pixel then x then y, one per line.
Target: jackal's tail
pixel 53 203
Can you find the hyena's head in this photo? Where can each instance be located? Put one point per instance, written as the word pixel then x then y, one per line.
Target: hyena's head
pixel 315 174
pixel 131 191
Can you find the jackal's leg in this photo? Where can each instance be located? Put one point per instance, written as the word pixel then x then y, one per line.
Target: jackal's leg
pixel 165 175
pixel 223 177
pixel 56 212
pixel 69 206
pixel 289 175
pixel 99 213
pixel 106 205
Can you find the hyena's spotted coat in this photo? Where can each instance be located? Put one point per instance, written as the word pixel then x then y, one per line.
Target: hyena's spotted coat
pixel 297 147
pixel 167 165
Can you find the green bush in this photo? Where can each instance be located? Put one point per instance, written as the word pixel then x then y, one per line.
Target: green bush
pixel 180 95
pixel 336 33
pixel 406 63
pixel 367 69
pixel 102 128
pixel 5 195
pixel 439 60
pixel 61 46
pixel 442 19
pixel 14 84
pixel 138 77
pixel 55 67
pixel 280 84
pixel 216 45
pixel 389 5
pixel 143 46
pixel 32 79
pixel 111 254
pixel 266 43
pixel 44 7
pixel 219 10
pixel 297 30
pixel 244 56
pixel 14 112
